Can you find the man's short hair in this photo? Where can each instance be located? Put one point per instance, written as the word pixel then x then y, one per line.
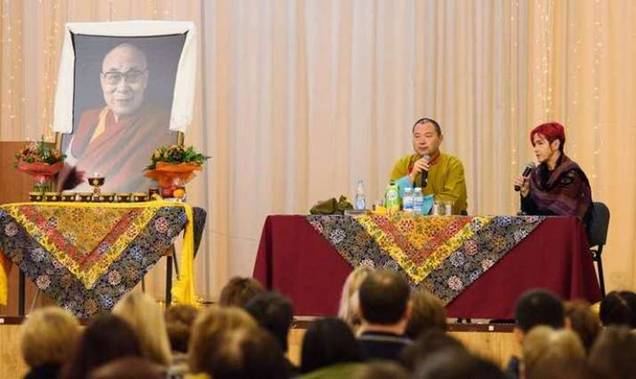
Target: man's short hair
pixel 238 291
pixel 539 307
pixel 274 313
pixel 384 296
pixel 426 120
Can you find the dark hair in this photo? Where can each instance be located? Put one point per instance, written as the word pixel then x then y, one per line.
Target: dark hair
pixel 128 368
pixel 427 311
pixel 238 291
pixel 560 368
pixel 619 308
pixel 179 320
pixel 384 296
pixel 426 120
pixel 455 364
pixel 539 307
pixel 105 339
pixel 584 321
pixel 429 342
pixel 244 354
pixel 326 342
pixel 274 313
pixel 612 355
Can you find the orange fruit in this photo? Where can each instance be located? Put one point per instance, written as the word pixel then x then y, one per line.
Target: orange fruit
pixel 179 193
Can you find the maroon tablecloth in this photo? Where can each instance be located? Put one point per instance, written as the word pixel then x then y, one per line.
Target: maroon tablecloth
pixel 297 261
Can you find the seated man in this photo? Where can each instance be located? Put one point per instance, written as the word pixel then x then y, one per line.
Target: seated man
pixel 384 298
pixel 445 172
pixel 557 186
pixel 117 140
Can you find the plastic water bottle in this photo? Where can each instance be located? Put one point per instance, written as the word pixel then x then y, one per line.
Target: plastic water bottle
pixel 418 200
pixel 407 200
pixel 360 199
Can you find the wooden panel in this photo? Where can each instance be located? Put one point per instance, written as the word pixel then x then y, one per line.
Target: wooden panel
pixel 11 363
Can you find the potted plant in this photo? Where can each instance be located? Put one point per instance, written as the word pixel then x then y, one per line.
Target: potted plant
pixel 42 161
pixel 174 166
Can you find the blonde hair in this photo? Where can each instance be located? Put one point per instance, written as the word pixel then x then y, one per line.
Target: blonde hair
pixel 349 309
pixel 211 323
pixel 146 318
pixel 427 311
pixel 48 335
pixel 543 343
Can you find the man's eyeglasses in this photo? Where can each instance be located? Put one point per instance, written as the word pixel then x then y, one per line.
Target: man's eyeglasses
pixel 132 76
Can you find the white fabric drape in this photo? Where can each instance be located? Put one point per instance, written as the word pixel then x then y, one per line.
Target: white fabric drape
pixel 297 100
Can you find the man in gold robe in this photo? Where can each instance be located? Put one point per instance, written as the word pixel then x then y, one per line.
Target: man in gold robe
pixel 445 173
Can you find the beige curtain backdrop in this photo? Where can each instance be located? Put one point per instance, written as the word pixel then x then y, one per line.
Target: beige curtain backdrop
pixel 297 100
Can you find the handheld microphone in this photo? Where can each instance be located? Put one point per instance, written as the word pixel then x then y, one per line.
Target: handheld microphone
pixel 526 172
pixel 424 178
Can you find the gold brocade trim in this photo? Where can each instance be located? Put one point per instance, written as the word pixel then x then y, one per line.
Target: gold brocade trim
pixel 5 264
pixel 418 272
pixel 88 276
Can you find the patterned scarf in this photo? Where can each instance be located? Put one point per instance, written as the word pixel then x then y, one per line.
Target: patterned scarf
pixel 563 191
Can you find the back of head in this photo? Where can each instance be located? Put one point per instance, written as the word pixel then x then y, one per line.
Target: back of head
pixel 348 311
pixel 383 297
pixel 244 354
pixel 612 356
pixel 210 323
pixel 619 308
pixel 328 341
pixel 274 313
pixel 48 336
pixel 427 311
pixel 381 370
pixel 453 364
pixel 238 291
pixel 583 321
pixel 427 344
pixel 128 368
pixel 179 320
pixel 555 368
pixel 105 339
pixel 543 343
pixel 147 320
pixel 539 307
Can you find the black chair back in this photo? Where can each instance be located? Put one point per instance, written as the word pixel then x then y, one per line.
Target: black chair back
pixel 599 224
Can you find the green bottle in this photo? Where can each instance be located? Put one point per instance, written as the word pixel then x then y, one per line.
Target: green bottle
pixel 392 198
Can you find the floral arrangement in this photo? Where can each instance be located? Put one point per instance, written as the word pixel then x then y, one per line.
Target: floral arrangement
pixel 173 166
pixel 38 152
pixel 176 154
pixel 42 161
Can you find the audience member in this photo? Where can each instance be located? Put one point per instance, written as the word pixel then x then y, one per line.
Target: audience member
pixel 455 364
pixel 427 311
pixel 238 291
pixel 106 338
pixel 349 309
pixel 544 343
pixel 381 370
pixel 535 307
pixel 179 320
pixel 427 344
pixel 329 350
pixel 612 356
pixel 128 368
pixel 619 308
pixel 275 314
pixel 48 337
pixel 147 320
pixel 384 297
pixel 227 344
pixel 583 321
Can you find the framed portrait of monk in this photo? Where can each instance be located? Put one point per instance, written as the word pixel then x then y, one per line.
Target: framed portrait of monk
pixel 124 89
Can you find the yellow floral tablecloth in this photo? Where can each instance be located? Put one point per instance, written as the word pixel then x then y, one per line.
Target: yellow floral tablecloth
pixel 87 255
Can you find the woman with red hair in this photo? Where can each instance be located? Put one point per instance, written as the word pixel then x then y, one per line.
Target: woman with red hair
pixel 557 185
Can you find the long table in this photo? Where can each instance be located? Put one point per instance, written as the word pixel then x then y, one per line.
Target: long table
pixel 295 259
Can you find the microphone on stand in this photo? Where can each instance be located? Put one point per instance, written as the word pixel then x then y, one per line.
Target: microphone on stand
pixel 424 178
pixel 526 172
